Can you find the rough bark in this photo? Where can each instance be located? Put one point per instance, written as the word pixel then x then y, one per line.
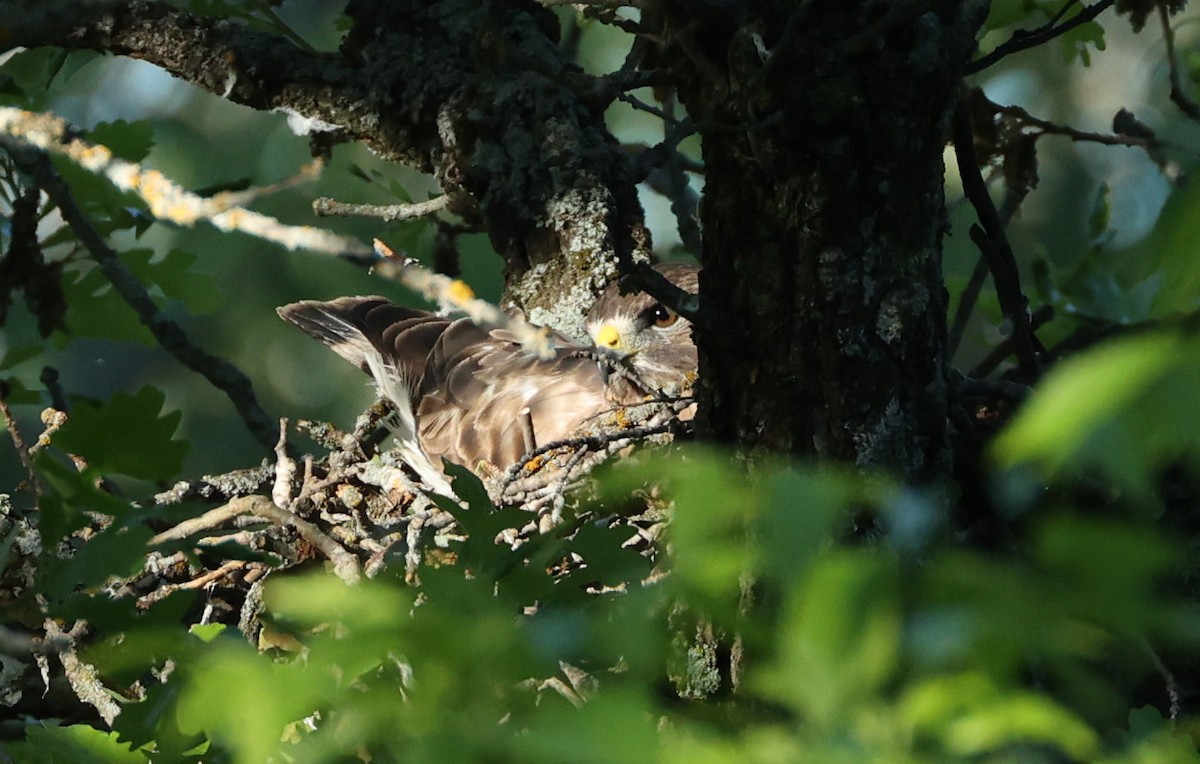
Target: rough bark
pixel 823 130
pixel 477 93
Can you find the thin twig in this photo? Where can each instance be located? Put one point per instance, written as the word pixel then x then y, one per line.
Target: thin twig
pixel 1023 39
pixel 1013 198
pixel 219 488
pixel 994 244
pixel 14 432
pixel 1172 685
pixel 390 213
pixel 199 582
pixel 1178 95
pixel 527 434
pixel 220 373
pixel 641 105
pixel 1007 347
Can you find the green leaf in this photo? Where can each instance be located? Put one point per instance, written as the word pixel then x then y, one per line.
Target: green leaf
pixel 562 733
pixel 68 496
pixel 175 274
pixel 16 355
pixel 29 73
pixel 244 701
pixel 1078 42
pixel 94 309
pixel 130 141
pixel 971 717
pixel 77 744
pixel 17 393
pixel 311 600
pixel 1101 216
pixel 1116 571
pixel 1079 395
pixel 127 435
pixel 805 508
pixel 153 723
pixel 207 632
pixel 1174 248
pixel 840 639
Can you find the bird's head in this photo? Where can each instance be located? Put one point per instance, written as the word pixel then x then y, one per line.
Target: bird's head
pixel 653 339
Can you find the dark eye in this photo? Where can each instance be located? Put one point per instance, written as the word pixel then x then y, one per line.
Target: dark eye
pixel 663 316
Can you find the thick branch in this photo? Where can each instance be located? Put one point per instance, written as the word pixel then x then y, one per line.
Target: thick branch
pixel 475 92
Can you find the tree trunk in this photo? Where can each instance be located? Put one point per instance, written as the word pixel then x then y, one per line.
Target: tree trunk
pixel 823 215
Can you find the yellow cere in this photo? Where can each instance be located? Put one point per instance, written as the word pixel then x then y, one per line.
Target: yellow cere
pixel 608 336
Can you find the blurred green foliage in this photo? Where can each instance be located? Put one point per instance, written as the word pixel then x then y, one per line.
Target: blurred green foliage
pixel 853 652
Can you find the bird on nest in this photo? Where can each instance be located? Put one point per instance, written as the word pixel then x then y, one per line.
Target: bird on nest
pixel 475 396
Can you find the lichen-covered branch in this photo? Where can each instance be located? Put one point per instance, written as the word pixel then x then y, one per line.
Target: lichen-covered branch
pixel 477 93
pixel 168 201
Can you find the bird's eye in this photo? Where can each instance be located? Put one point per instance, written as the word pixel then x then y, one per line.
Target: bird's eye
pixel 663 316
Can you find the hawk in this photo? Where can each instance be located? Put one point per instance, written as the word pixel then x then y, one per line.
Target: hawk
pixel 476 397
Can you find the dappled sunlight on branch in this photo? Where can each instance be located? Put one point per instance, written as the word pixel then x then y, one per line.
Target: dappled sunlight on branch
pixel 168 201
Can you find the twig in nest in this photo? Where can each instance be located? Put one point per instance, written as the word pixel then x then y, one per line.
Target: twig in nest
pixel 201 581
pixel 285 469
pixel 541 478
pixel 209 520
pixel 345 565
pixel 84 680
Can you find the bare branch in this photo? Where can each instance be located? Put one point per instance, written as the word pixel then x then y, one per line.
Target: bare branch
pixel 199 582
pixel 1023 39
pixel 993 243
pixel 1008 346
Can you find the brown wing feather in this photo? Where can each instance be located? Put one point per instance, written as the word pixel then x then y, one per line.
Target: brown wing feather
pixel 476 385
pixel 356 328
